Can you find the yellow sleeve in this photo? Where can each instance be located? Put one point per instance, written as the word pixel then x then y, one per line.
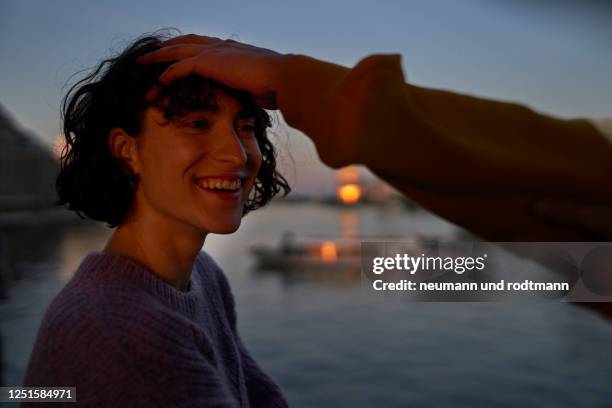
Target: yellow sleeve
pixel 477 162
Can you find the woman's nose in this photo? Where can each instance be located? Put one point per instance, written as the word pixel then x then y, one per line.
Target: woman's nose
pixel 230 148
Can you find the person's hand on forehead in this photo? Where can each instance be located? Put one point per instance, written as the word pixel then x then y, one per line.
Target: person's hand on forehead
pixel 231 63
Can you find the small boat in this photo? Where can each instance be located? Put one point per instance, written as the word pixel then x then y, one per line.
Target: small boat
pixel 309 254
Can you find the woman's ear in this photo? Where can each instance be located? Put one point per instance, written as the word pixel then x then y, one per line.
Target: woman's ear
pixel 123 147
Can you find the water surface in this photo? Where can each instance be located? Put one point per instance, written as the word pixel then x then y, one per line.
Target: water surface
pixel 330 341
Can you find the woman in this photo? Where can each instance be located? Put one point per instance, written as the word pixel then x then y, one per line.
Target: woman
pixel 150 319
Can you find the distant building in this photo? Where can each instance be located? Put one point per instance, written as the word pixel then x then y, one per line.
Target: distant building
pixel 27 169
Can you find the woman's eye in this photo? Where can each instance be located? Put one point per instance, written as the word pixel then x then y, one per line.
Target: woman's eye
pixel 199 124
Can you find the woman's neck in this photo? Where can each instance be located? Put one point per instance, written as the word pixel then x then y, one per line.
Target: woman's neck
pixel 165 248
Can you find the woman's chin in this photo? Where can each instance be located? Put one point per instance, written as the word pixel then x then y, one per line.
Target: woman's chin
pixel 225 228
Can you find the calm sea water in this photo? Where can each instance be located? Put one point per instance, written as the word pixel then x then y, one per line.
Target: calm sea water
pixel 330 343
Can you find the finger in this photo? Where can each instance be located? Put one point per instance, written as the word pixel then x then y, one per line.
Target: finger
pixel 153 93
pixel 190 39
pixel 182 69
pixel 211 63
pixel 167 54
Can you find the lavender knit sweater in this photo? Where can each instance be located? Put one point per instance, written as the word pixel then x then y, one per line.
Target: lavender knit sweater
pixel 125 337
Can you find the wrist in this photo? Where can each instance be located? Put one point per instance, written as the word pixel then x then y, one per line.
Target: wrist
pixel 302 82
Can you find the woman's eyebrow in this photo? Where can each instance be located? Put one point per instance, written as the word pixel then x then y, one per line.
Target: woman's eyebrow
pixel 201 110
pixel 213 109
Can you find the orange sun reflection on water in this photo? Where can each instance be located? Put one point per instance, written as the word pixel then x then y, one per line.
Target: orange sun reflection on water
pixel 349 193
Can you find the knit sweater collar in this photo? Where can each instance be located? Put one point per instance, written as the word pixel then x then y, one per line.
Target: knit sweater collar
pixel 111 269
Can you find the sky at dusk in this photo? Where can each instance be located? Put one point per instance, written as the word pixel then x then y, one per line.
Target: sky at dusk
pixel 554 56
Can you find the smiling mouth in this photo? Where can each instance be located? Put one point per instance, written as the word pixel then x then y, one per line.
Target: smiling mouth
pixel 220 184
pixel 229 190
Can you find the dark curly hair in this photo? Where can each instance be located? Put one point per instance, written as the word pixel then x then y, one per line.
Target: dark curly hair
pixel 97 185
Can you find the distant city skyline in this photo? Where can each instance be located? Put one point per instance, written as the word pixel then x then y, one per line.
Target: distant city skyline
pixel 553 56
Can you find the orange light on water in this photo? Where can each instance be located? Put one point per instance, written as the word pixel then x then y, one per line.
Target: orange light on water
pixel 349 193
pixel 328 251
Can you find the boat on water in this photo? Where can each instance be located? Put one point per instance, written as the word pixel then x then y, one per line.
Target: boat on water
pixel 340 261
pixel 314 253
pixel 308 254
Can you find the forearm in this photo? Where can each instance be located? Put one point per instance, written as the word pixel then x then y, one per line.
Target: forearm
pixel 436 138
pixel 508 147
pixel 511 157
pixel 494 217
pixel 477 162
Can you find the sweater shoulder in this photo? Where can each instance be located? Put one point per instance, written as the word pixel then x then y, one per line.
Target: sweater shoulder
pixel 84 320
pixel 73 306
pixel 114 309
pixel 120 351
pixel 97 315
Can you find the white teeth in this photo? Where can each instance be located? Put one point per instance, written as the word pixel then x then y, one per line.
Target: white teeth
pixel 220 184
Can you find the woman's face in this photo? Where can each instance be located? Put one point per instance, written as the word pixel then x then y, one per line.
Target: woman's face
pixel 197 171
